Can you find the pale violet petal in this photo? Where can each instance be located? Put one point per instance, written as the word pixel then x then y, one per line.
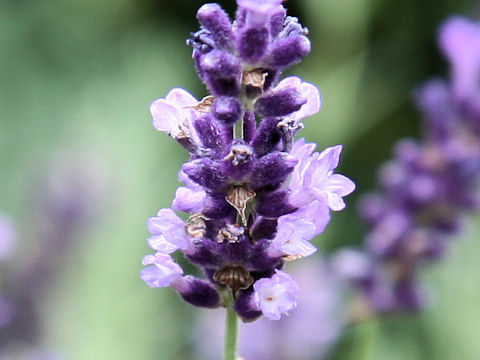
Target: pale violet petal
pixel 189 200
pixel 339 184
pixel 276 295
pixel 159 243
pixel 317 213
pixel 180 98
pixel 166 118
pixel 298 247
pixel 335 202
pixel 330 157
pixel 289 81
pixel 162 271
pixel 313 104
pixel 148 259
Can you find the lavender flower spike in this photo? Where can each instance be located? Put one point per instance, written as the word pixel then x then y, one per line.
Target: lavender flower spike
pixel 277 295
pixel 251 201
pixel 430 183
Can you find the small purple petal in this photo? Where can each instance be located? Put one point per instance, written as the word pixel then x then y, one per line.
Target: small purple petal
pixel 227 109
pixel 295 230
pixel 168 224
pixel 276 295
pixel 280 102
pixel 213 18
pixel 289 51
pixel 252 44
pixel 173 114
pixel 246 307
pixel 309 91
pixel 189 200
pixel 272 169
pixel 160 244
pixel 267 137
pixel 259 12
pixel 197 292
pixel 162 271
pixel 312 178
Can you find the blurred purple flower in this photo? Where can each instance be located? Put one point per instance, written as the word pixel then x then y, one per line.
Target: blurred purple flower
pixel 64 200
pixel 429 184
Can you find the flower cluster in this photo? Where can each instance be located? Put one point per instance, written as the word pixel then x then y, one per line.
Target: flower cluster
pixel 255 198
pixel 429 184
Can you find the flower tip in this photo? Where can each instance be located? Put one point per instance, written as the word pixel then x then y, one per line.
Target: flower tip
pixel 304 45
pixel 459 37
pixel 207 9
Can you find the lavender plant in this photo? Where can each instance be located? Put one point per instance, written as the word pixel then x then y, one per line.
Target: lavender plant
pixel 255 197
pixel 429 185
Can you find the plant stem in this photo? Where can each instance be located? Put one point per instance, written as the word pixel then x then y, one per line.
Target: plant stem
pixel 238 129
pixel 231 335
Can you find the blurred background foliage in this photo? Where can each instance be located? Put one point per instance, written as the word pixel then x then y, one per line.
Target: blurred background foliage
pixel 76 79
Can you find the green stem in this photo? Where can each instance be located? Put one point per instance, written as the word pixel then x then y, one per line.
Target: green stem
pixel 231 335
pixel 238 129
pixel 366 340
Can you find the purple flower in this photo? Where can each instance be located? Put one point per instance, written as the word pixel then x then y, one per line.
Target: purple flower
pixel 313 177
pixel 293 237
pixel 294 231
pixel 174 114
pixel 352 264
pixel 189 198
pixel 276 295
pixel 389 230
pixel 162 270
pixel 429 184
pixel 168 232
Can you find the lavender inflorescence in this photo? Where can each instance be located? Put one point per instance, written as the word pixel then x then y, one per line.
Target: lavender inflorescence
pixel 427 187
pixel 255 198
